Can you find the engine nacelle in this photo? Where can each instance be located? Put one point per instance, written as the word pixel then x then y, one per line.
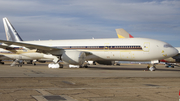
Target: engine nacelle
pixel 106 62
pixel 74 57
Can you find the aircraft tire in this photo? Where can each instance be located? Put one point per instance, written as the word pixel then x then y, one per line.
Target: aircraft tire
pixel 2 63
pixel 61 66
pixel 86 66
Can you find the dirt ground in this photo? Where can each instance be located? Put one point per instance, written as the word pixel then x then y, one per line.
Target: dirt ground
pixel 97 83
pixel 91 88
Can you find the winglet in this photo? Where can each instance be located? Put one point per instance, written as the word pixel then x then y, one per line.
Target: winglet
pixel 121 33
pixel 11 33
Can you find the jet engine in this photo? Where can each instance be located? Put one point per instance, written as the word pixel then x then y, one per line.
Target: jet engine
pixel 74 57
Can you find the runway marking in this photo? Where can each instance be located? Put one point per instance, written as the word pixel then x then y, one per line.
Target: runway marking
pixel 54 98
pixel 46 96
pixel 43 92
pixel 40 98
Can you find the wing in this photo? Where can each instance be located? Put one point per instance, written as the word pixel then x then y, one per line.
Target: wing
pixel 40 48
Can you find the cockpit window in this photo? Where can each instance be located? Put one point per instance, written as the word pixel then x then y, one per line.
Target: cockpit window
pixel 167 45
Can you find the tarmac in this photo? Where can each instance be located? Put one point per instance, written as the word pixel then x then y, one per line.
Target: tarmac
pixel 128 82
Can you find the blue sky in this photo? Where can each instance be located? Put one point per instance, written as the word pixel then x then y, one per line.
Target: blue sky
pixel 84 19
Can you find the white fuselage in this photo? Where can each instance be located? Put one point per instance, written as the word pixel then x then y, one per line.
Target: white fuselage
pixel 126 49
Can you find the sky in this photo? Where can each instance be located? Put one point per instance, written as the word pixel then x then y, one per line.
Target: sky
pixel 86 19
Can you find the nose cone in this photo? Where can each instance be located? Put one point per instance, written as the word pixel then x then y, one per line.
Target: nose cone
pixel 171 52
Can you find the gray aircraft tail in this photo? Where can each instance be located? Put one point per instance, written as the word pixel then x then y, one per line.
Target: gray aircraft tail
pixel 11 33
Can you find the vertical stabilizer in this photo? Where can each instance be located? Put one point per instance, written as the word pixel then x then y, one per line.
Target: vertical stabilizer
pixel 11 33
pixel 121 33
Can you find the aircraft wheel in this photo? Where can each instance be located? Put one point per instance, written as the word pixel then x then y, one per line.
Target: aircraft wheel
pixel 118 64
pixel 81 66
pixel 61 66
pixel 2 63
pixel 86 66
pixel 94 63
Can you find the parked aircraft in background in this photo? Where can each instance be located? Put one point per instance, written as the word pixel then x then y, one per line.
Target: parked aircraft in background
pixel 5 57
pixel 17 56
pixel 121 33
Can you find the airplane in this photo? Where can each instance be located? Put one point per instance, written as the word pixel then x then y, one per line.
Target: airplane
pixel 76 52
pixel 12 34
pixel 20 53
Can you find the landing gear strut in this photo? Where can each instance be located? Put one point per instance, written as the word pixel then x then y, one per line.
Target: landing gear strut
pixel 20 63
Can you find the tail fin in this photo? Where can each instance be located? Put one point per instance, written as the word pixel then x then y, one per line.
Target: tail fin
pixel 11 33
pixel 121 33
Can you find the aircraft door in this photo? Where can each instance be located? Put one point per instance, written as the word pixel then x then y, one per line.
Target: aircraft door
pixel 107 53
pixel 146 47
pixel 106 46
